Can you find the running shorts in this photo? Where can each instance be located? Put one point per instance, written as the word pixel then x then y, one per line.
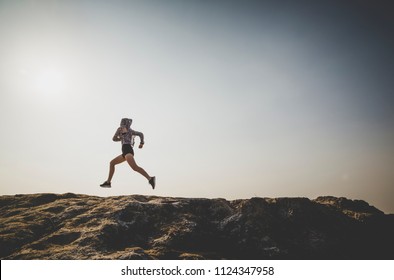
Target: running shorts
pixel 127 149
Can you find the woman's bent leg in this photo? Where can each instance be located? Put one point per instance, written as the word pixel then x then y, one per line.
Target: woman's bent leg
pixel 115 161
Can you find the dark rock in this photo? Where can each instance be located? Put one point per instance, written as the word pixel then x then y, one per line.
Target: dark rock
pixel 72 226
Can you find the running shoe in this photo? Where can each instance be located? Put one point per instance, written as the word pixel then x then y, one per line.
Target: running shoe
pixel 152 182
pixel 105 185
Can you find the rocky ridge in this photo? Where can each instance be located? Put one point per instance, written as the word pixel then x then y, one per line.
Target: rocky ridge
pixel 74 226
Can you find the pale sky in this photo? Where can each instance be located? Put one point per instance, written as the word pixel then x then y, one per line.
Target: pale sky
pixel 236 98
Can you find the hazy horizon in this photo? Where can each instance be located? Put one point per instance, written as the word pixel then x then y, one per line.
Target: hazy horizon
pixel 236 98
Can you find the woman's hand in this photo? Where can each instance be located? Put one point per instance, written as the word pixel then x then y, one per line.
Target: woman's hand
pixel 117 135
pixel 141 145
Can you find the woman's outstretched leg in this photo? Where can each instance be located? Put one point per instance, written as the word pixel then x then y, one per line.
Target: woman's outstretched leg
pixel 131 161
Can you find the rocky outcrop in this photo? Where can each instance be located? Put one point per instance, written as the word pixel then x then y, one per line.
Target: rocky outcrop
pixel 71 226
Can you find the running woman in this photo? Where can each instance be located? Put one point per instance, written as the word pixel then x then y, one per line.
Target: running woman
pixel 126 135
